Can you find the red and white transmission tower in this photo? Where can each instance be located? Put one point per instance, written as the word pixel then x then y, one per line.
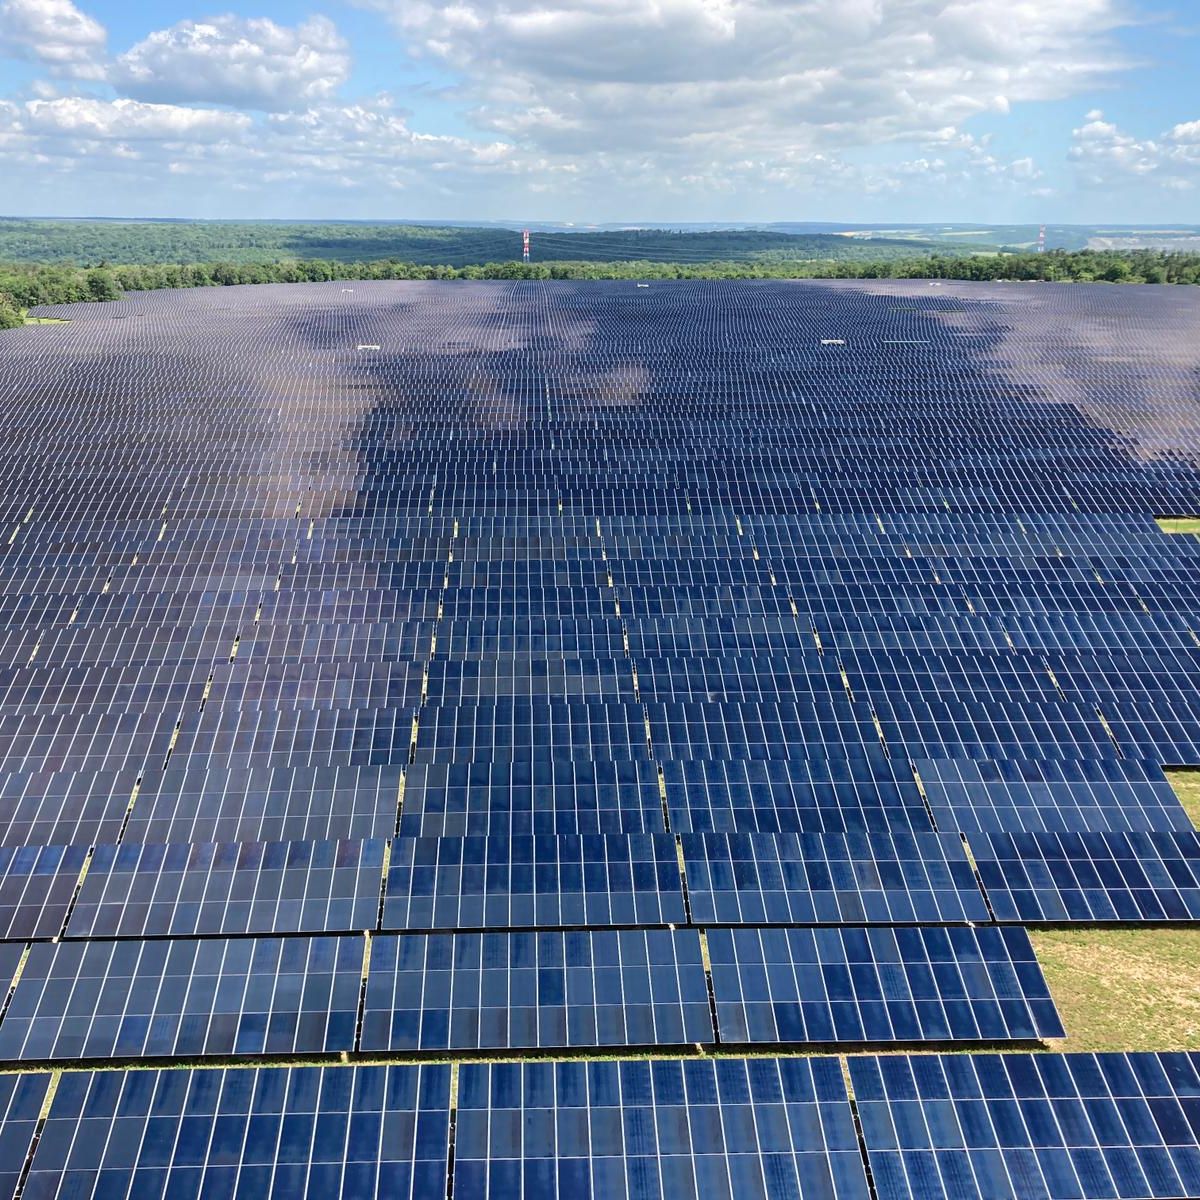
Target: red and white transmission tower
pixel 1042 240
pixel 525 245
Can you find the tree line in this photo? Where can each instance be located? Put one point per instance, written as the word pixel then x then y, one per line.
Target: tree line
pixel 92 243
pixel 27 285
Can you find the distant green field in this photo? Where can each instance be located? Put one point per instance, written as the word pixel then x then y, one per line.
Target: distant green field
pixel 89 243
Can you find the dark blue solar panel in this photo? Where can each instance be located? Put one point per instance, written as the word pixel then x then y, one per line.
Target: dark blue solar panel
pixel 1090 876
pixel 21 1099
pixel 184 998
pixel 830 879
pixel 1009 1127
pixel 536 990
pixel 199 802
pixel 10 958
pixel 36 887
pixel 275 1131
pixel 543 881
pixel 814 577
pixel 879 985
pixel 829 794
pixel 136 890
pixel 556 797
pixel 1098 792
pixel 690 1130
pixel 53 808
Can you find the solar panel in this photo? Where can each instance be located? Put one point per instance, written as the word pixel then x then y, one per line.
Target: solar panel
pixel 826 794
pixel 563 797
pixel 203 803
pixel 10 958
pixel 1055 877
pixel 536 990
pixel 752 1128
pixel 879 985
pixel 58 808
pixel 1099 792
pixel 1079 1125
pixel 206 888
pixel 182 998
pixel 541 881
pixel 564 589
pixel 37 884
pixel 829 879
pixel 21 1099
pixel 272 1131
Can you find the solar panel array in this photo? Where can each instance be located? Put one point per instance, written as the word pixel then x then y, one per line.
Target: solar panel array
pixel 1030 1125
pixel 416 669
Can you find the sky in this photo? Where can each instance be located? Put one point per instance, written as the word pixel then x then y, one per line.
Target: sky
pixel 1075 111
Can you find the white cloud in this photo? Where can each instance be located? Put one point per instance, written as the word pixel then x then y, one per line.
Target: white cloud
pixel 639 108
pixel 366 146
pixel 246 62
pixel 58 127
pixel 693 82
pixel 55 35
pixel 1107 156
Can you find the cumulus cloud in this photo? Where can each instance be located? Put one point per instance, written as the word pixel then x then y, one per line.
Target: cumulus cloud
pixel 55 35
pixel 644 106
pixel 698 80
pixel 80 116
pixel 244 62
pixel 367 145
pixel 1105 155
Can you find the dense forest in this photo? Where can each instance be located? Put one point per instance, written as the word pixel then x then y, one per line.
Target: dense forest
pixel 94 243
pixel 25 285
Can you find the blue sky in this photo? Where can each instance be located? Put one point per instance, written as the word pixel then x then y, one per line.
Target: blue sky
pixel 603 110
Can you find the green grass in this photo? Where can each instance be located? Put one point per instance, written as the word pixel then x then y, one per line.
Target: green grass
pixel 1124 989
pixel 1186 782
pixel 1179 524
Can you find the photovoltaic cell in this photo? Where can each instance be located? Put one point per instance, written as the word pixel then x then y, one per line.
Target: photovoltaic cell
pixel 209 888
pixel 196 802
pixel 541 881
pixel 563 797
pixel 56 808
pixel 820 795
pixel 10 958
pixel 536 990
pixel 36 887
pixel 1097 793
pixel 749 1129
pixel 879 985
pixel 83 1000
pixel 246 1132
pixel 1012 1127
pixel 1056 877
pixel 799 572
pixel 829 879
pixel 21 1099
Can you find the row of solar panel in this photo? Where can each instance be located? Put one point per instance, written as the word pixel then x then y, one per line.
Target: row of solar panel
pixel 1002 490
pixel 981 1127
pixel 995 727
pixel 656 588
pixel 544 881
pixel 188 998
pixel 200 629
pixel 110 595
pixel 1135 537
pixel 541 726
pixel 200 803
pixel 252 678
